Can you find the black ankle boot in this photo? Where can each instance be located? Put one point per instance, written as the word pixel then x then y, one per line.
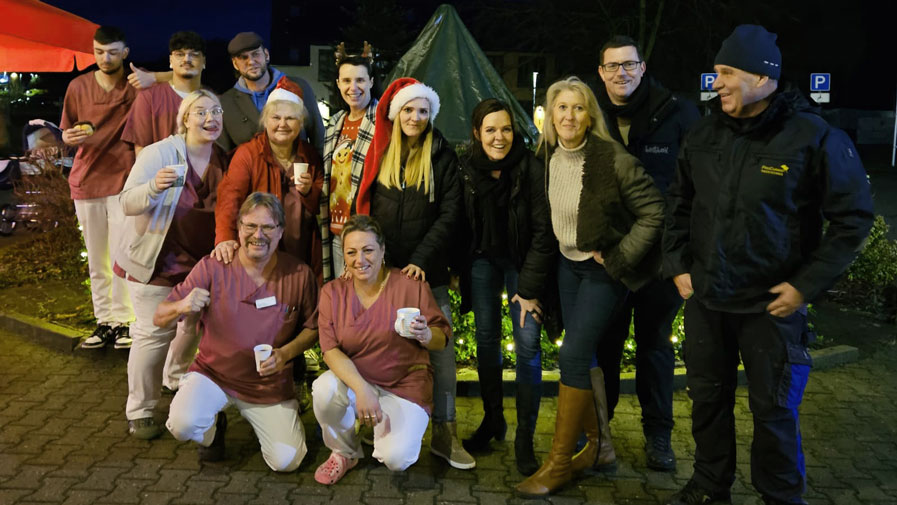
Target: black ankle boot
pixel 494 424
pixel 528 398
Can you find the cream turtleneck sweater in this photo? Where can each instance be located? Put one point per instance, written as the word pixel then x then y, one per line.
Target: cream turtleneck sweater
pixel 564 190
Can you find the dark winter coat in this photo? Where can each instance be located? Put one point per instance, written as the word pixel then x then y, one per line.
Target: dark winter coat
pixel 747 208
pixel 667 118
pixel 532 247
pixel 418 231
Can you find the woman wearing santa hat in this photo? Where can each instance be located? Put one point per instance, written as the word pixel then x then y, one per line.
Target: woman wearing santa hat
pixel 410 185
pixel 266 163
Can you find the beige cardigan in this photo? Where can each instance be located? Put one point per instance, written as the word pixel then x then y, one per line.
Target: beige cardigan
pixel 148 211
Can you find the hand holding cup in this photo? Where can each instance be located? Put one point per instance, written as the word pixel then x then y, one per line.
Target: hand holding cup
pixel 165 178
pixel 301 177
pixel 404 318
pixel 262 352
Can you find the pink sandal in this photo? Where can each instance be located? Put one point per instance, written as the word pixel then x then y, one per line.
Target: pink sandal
pixel 332 470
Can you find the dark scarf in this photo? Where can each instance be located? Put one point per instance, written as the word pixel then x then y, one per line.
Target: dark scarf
pixel 493 196
pixel 634 110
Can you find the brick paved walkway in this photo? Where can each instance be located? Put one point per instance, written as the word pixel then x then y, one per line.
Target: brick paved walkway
pixel 63 440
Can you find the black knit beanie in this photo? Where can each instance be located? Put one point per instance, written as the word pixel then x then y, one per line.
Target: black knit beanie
pixel 753 49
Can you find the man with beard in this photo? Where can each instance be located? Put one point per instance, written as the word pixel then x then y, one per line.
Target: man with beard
pixel 651 122
pixel 244 102
pixel 153 115
pixel 93 116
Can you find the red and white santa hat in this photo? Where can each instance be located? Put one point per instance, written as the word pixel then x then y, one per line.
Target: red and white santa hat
pixel 397 94
pixel 286 90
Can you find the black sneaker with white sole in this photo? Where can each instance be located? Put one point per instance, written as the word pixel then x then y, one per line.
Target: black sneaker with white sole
pixel 99 338
pixel 122 337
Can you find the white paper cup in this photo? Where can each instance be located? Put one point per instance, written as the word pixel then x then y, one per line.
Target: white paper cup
pixel 262 352
pixel 299 169
pixel 181 170
pixel 404 317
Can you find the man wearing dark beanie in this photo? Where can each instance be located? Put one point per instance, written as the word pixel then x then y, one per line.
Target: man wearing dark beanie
pixel 745 245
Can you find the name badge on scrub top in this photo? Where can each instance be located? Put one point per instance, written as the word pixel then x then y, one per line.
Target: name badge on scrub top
pixel 261 303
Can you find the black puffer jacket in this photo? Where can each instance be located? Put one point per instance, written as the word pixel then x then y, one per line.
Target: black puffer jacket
pixel 747 208
pixel 531 244
pixel 418 231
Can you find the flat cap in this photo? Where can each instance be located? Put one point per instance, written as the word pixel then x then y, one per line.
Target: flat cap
pixel 244 41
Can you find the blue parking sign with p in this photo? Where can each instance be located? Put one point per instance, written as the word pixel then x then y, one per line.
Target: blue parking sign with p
pixel 820 82
pixel 707 81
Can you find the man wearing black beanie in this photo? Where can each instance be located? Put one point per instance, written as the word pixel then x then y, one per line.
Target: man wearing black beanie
pixel 745 246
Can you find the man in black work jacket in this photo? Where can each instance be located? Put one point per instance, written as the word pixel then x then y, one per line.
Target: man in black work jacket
pixel 651 122
pixel 744 244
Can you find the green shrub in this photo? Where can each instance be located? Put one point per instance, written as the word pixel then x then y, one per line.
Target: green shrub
pixel 464 328
pixel 870 280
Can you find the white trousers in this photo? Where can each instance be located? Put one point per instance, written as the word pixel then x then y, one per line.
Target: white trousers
pixel 102 221
pixel 397 438
pixel 148 350
pixel 277 425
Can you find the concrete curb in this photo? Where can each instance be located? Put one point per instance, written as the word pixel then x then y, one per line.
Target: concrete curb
pixel 66 339
pixel 51 335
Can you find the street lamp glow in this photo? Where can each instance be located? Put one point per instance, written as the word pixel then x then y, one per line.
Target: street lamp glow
pixel 539 118
pixel 509 347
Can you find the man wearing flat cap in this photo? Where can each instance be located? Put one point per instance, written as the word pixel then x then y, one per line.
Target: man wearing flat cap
pixel 745 245
pixel 243 103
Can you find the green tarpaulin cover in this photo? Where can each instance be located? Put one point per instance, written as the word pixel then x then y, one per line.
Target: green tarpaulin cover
pixel 446 57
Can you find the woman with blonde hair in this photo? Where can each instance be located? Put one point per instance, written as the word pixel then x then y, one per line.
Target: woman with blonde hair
pixel 169 203
pixel 607 215
pixel 410 185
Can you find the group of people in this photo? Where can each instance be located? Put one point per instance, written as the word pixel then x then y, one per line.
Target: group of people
pixel 218 225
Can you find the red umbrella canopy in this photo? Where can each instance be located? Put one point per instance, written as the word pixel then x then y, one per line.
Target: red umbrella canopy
pixel 36 37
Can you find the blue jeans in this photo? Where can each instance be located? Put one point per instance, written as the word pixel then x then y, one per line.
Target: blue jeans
pixel 445 378
pixel 487 279
pixel 589 299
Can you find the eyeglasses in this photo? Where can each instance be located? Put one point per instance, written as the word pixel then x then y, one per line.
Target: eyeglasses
pixel 183 54
pixel 202 113
pixel 627 66
pixel 252 228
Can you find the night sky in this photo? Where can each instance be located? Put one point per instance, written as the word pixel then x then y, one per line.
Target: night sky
pixel 852 40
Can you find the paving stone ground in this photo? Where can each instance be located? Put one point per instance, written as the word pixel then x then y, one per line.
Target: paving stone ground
pixel 63 439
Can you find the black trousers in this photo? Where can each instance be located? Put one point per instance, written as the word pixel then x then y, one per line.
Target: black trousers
pixel 777 365
pixel 651 310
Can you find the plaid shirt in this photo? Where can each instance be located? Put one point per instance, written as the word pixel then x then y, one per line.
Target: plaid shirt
pixel 365 136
